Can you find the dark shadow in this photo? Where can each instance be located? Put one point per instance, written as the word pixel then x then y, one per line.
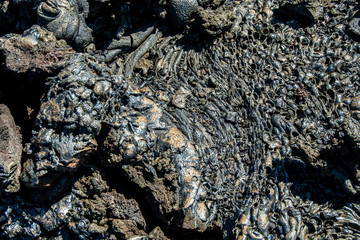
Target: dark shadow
pixel 318 175
pixel 61 185
pixel 22 93
pixel 127 18
pixel 17 16
pixel 121 18
pixel 46 196
pixel 353 36
pixel 294 15
pixel 353 29
pixel 37 201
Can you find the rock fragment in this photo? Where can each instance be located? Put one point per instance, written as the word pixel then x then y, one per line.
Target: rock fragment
pixel 181 11
pixel 35 50
pixel 354 24
pixel 179 99
pixel 10 151
pixel 352 130
pixel 66 19
pixel 214 22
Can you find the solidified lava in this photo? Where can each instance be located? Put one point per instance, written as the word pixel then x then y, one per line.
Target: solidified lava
pixel 196 119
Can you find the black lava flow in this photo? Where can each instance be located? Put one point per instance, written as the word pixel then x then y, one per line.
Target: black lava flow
pixel 174 119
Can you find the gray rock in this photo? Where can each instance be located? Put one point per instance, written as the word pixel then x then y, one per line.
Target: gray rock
pixel 180 11
pixel 354 24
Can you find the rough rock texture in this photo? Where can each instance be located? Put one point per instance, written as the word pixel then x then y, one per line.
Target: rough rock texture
pixel 354 24
pixel 181 11
pixel 35 50
pixel 10 151
pixel 214 22
pixel 78 109
pixel 241 124
pixel 66 19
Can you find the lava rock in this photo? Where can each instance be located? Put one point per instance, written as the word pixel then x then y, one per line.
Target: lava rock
pixel 64 151
pixel 66 19
pixel 36 50
pixel 212 23
pixel 304 11
pixel 181 11
pixel 249 133
pixel 354 24
pixel 11 151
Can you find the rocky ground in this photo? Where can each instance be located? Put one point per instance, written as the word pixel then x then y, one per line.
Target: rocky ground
pixel 174 119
